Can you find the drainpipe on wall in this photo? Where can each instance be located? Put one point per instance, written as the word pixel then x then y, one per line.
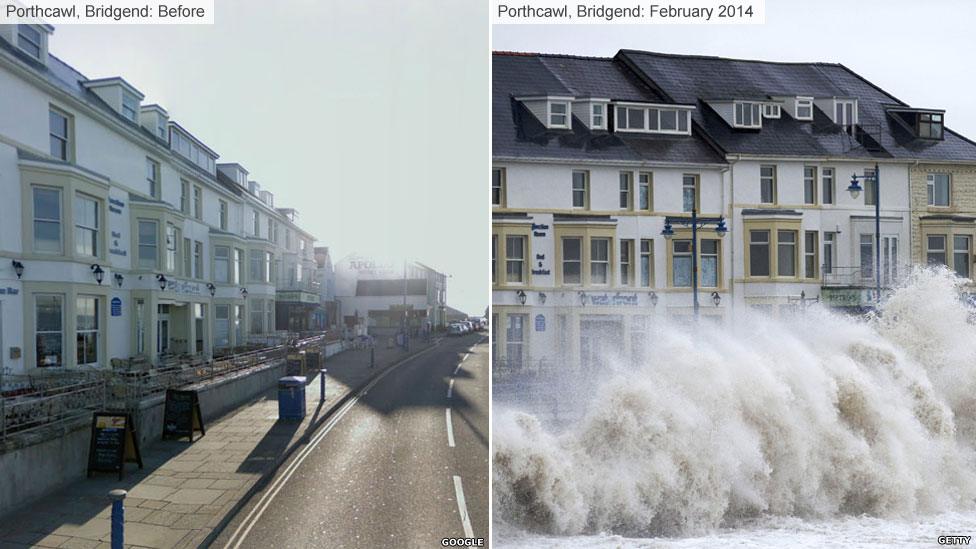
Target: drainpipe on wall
pixel 732 230
pixel 911 220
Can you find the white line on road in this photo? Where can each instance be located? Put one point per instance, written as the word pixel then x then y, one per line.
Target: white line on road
pixel 244 528
pixel 463 508
pixel 450 429
pixel 450 388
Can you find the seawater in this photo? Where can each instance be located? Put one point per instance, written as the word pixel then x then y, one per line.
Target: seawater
pixel 812 430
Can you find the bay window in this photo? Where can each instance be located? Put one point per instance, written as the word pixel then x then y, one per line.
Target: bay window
pixel 961 255
pixel 786 253
pixel 148 252
pixel 221 264
pixel 599 260
pixel 646 262
pixel 572 260
pixel 936 249
pixel 86 226
pixel 515 259
pixel 47 220
pixel 759 253
pixel 681 263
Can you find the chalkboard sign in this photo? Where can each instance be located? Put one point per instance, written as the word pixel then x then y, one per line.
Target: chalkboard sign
pixel 182 417
pixel 113 443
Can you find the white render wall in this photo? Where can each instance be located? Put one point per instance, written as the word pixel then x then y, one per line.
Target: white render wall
pixel 117 154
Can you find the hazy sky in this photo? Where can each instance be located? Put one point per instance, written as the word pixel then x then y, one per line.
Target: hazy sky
pixel 367 116
pixel 920 52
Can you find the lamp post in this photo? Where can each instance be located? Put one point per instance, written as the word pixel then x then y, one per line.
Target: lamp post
pixel 696 223
pixel 855 190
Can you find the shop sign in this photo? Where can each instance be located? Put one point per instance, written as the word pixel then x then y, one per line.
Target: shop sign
pixel 616 300
pixel 116 306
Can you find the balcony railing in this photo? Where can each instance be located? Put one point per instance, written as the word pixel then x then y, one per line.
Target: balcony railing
pixel 852 277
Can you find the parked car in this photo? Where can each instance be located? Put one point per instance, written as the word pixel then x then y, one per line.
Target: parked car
pixel 455 329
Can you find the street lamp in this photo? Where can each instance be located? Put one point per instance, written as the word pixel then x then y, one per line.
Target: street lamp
pixel 695 222
pixel 855 190
pixel 18 268
pixel 99 273
pixel 162 282
pixel 521 297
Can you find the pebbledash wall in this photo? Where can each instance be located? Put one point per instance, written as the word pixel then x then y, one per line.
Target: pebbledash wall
pixel 90 175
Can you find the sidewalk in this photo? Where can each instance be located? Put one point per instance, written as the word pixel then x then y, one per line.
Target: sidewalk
pixel 186 490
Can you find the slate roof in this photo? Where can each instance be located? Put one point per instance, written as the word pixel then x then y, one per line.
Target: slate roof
pixel 694 79
pixel 517 133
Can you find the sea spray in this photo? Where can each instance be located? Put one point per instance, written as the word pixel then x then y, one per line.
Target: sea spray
pixel 815 416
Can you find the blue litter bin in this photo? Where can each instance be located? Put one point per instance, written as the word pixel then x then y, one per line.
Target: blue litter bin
pixel 291 397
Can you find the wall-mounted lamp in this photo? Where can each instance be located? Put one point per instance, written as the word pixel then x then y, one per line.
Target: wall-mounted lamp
pixel 520 295
pixel 716 299
pixel 244 293
pixel 99 273
pixel 18 268
pixel 542 298
pixel 654 299
pixel 162 282
pixel 118 279
pixel 582 298
pixel 212 288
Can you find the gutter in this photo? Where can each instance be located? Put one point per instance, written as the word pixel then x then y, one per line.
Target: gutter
pixel 613 163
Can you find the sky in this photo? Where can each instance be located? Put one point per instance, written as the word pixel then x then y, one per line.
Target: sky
pixel 368 116
pixel 919 51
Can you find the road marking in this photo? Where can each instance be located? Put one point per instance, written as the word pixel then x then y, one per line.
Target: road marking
pixel 450 388
pixel 463 508
pixel 244 528
pixel 450 429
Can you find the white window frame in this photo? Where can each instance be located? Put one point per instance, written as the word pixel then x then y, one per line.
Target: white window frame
pixel 61 301
pixel 771 110
pixel 152 177
pixel 154 244
pixel 198 202
pixel 549 114
pixel 130 106
pixel 222 256
pixel 81 228
pixel 844 122
pixel 59 221
pixel 803 102
pixel 65 139
pixel 21 36
pixel 739 110
pixel 578 261
pixel 602 116
pixel 603 262
pixel 620 114
pixel 223 214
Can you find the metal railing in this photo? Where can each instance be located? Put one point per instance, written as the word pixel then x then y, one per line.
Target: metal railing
pixel 847 276
pixel 51 406
pixel 507 367
pixel 32 402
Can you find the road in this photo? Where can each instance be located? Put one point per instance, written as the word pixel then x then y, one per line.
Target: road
pixel 399 468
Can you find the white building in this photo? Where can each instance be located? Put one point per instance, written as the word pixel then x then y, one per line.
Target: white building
pixel 97 182
pixel 591 156
pixel 379 297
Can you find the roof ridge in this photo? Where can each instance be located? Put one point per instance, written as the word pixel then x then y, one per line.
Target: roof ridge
pixel 506 53
pixel 720 58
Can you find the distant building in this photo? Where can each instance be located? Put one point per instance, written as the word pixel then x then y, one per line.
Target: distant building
pixel 331 315
pixel 379 297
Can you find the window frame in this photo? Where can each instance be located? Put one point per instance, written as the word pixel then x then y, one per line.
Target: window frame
pixel 768 112
pixel 66 140
pixel 739 114
pixel 803 102
pixel 568 113
pixel 811 255
pixel 61 331
pixel 930 188
pixel 647 256
pixel 626 190
pixel 585 190
pixel 522 260
pixel 696 189
pixel 929 250
pixel 39 44
pixel 602 125
pixel 921 122
pixel 47 220
pixel 682 120
pixel 647 185
pixel 96 331
pixel 828 187
pixel 579 239
pixel 627 262
pixel 499 189
pixel 224 213
pixel 198 202
pixel 153 178
pixel 604 262
pixel 772 179
pixel 810 196
pixel 794 245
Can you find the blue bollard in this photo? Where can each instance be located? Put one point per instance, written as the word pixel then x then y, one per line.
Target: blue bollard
pixel 118 518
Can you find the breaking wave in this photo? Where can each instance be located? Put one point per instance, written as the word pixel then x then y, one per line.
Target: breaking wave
pixel 816 416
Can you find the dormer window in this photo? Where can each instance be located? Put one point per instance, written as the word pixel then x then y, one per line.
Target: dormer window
pixel 29 39
pixel 598 118
pixel 558 114
pixel 930 125
pixel 130 106
pixel 803 108
pixel 747 115
pixel 771 110
pixel 653 119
